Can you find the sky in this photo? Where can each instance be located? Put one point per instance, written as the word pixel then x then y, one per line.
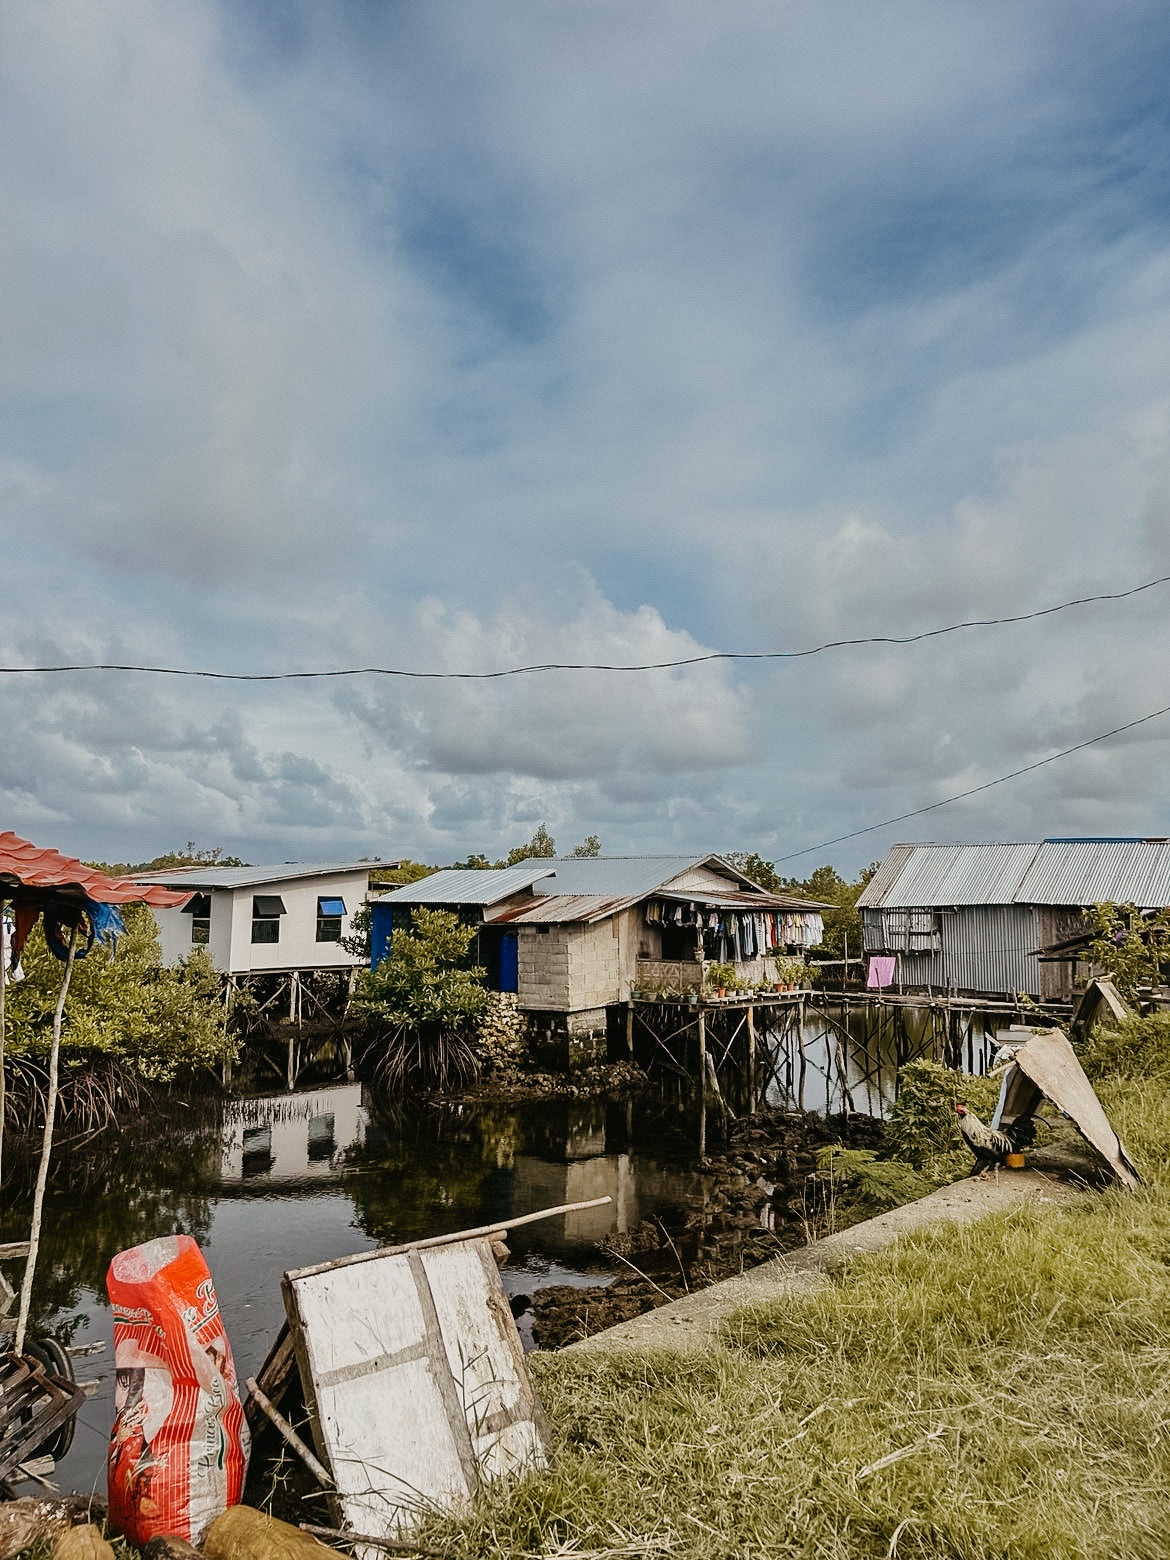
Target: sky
pixel 455 338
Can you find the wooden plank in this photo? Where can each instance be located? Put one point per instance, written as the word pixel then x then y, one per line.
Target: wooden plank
pixel 415 1380
pixel 498 1228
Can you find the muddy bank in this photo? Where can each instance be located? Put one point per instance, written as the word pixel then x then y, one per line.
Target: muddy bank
pixel 762 1195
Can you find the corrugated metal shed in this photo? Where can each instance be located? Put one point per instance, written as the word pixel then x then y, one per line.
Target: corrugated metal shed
pixel 468 885
pixel 1090 872
pixel 948 875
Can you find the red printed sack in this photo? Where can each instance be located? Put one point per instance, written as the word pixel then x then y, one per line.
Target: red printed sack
pixel 179 1447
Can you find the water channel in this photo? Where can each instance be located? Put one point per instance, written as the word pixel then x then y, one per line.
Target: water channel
pixel 270 1183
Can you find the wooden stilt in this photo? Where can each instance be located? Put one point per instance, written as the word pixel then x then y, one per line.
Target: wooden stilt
pixel 702 1086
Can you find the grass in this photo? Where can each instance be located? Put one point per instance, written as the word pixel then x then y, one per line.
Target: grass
pixel 994 1392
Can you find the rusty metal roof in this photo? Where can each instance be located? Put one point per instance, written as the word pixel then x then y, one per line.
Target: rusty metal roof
pixel 31 872
pixel 558 909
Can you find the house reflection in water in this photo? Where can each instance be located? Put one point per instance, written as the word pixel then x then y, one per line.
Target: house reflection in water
pixel 639 1188
pixel 283 1138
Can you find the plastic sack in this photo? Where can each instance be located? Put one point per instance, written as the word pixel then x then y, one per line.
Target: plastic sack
pixel 179 1446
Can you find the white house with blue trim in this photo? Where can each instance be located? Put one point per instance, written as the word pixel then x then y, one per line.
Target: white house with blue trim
pixel 264 920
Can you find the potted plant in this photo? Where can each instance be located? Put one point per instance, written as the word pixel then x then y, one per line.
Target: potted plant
pixel 720 979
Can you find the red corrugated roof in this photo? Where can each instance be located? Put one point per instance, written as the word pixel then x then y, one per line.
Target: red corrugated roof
pixel 28 867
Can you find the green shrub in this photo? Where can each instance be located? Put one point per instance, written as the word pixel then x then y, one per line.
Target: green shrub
pixel 922 1128
pixel 158 1021
pixel 1134 1048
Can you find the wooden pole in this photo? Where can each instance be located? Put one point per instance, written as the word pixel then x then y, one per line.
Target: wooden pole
pixel 4 956
pixel 34 1238
pixel 702 1086
pixel 751 1043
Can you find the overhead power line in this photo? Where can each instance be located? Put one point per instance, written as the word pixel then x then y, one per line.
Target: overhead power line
pixel 975 790
pixel 596 666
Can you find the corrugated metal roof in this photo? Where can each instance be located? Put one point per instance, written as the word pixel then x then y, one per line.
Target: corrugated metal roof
pixel 948 875
pixel 38 873
pixel 1089 872
pixel 559 909
pixel 192 878
pixel 622 877
pixel 1058 872
pixel 469 885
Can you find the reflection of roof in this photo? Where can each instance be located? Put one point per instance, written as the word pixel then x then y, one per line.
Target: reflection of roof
pixel 1058 872
pixel 31 874
pixel 468 885
pixel 204 878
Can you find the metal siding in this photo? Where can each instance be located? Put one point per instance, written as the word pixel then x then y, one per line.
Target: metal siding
pixel 985 948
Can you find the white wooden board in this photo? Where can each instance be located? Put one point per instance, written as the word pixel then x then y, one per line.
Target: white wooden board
pixel 415 1373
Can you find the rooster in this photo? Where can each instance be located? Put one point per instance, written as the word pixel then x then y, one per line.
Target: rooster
pixel 989 1146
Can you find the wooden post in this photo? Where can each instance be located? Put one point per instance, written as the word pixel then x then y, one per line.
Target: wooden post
pixel 630 1030
pixel 751 1042
pixel 4 955
pixel 702 1086
pixel 34 1238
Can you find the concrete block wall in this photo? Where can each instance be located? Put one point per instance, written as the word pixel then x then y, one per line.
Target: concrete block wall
pixel 595 965
pixel 543 968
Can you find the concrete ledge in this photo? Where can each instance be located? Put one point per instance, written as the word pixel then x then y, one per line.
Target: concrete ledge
pixel 690 1322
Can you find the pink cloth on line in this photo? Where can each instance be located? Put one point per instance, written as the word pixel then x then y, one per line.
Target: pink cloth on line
pixel 881 972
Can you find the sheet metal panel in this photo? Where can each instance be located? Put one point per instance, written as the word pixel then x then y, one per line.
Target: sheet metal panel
pixel 1089 872
pixel 467 885
pixel 950 875
pixel 985 948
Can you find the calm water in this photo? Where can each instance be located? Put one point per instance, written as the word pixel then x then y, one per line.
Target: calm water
pixel 269 1184
pixel 277 1183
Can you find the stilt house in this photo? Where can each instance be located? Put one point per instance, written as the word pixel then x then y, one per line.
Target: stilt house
pixel 574 937
pixel 999 919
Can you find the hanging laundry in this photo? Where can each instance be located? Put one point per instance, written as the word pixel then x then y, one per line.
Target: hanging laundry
pixel 881 971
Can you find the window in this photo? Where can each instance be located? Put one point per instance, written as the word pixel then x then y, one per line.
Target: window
pixel 267 910
pixel 329 914
pixel 198 907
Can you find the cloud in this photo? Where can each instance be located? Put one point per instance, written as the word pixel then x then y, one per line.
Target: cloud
pixel 449 339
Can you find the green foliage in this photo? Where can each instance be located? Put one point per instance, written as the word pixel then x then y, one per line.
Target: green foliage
pixel 189 856
pixel 922 1128
pixel 541 844
pixel 1130 948
pixel 406 871
pixel 1135 1048
pixel 590 846
pixel 424 982
pixel 761 872
pixel 721 977
pixel 357 941
pixel 868 1184
pixel 160 1022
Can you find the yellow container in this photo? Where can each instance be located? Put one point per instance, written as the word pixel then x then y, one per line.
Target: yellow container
pixel 1014 1161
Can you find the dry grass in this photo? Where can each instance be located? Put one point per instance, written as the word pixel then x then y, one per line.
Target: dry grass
pixel 995 1392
